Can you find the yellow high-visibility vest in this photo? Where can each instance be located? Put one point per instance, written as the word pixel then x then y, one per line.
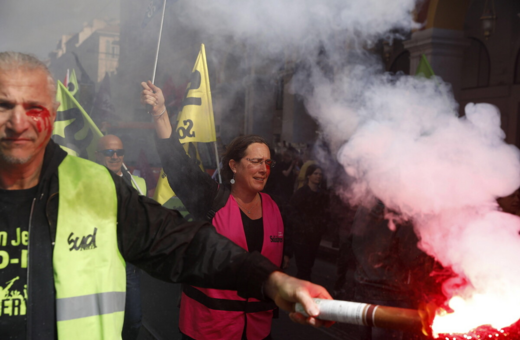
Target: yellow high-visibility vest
pixel 89 270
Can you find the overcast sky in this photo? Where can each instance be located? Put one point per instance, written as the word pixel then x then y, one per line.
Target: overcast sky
pixel 36 26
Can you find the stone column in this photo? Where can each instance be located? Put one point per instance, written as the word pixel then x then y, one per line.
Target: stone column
pixel 444 49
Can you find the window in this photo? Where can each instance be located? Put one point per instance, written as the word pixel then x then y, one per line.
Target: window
pixel 401 63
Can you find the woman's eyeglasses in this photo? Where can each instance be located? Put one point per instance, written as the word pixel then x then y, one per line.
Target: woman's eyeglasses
pixel 260 161
pixel 111 152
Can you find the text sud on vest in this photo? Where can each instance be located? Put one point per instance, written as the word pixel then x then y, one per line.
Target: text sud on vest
pixel 87 242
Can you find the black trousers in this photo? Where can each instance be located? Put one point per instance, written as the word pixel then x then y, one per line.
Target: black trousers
pixel 133 313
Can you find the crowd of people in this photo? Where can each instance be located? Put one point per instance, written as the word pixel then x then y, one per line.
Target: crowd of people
pixel 73 225
pixel 81 233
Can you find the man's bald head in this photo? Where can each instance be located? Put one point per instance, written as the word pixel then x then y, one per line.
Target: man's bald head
pixel 110 153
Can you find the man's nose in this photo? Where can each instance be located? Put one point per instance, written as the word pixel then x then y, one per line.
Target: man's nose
pixel 18 121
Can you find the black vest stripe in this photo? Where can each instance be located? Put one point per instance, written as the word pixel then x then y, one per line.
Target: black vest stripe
pixel 227 305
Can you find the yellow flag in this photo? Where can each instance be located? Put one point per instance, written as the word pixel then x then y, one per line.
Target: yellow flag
pixel 196 122
pixel 73 130
pixel 163 191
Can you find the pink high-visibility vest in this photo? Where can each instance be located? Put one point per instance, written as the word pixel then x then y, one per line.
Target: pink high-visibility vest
pixel 215 314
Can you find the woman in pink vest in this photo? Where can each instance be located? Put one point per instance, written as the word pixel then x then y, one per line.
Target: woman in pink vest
pixel 240 211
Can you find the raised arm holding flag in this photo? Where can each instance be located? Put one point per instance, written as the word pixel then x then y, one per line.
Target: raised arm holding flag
pixel 196 121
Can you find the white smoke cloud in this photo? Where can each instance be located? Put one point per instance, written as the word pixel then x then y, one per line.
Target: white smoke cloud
pixel 412 151
pixel 403 142
pixel 278 26
pixel 399 137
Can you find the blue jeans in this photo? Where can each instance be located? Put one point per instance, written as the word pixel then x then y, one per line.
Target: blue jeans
pixel 133 313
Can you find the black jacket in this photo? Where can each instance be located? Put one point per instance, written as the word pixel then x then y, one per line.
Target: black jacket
pixel 153 238
pixel 195 188
pixel 308 212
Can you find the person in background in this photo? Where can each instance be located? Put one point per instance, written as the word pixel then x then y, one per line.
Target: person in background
pixel 239 210
pixel 307 160
pixel 307 218
pixel 111 153
pixel 284 176
pixel 85 224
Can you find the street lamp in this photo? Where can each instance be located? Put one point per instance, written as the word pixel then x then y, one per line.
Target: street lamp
pixel 488 18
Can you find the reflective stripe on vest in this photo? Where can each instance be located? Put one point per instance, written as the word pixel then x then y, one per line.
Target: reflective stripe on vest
pixel 89 271
pixel 89 305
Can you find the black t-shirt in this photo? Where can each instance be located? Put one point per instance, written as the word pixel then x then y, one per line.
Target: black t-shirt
pixel 15 211
pixel 254 231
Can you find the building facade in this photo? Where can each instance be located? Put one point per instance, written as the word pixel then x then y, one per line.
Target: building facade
pixel 96 47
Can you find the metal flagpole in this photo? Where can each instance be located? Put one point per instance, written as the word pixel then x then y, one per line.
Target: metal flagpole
pixel 133 180
pixel 218 162
pixel 158 43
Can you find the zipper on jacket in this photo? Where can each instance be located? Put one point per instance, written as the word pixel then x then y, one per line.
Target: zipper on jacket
pixel 29 245
pixel 28 267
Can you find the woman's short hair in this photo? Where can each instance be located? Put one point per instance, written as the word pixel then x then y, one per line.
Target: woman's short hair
pixel 236 150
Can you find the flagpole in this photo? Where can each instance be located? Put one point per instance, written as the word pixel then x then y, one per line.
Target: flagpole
pixel 218 162
pixel 158 43
pixel 133 180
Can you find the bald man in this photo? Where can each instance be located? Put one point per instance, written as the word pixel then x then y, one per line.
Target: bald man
pixel 110 153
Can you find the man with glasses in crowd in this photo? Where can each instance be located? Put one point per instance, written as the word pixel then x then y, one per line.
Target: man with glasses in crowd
pixel 110 153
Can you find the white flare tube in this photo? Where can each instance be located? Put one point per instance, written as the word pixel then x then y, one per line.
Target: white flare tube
pixel 365 314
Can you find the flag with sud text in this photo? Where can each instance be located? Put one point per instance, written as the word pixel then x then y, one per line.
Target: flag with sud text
pixel 73 130
pixel 195 122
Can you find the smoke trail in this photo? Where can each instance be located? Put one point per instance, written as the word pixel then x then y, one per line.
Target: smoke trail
pixel 398 137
